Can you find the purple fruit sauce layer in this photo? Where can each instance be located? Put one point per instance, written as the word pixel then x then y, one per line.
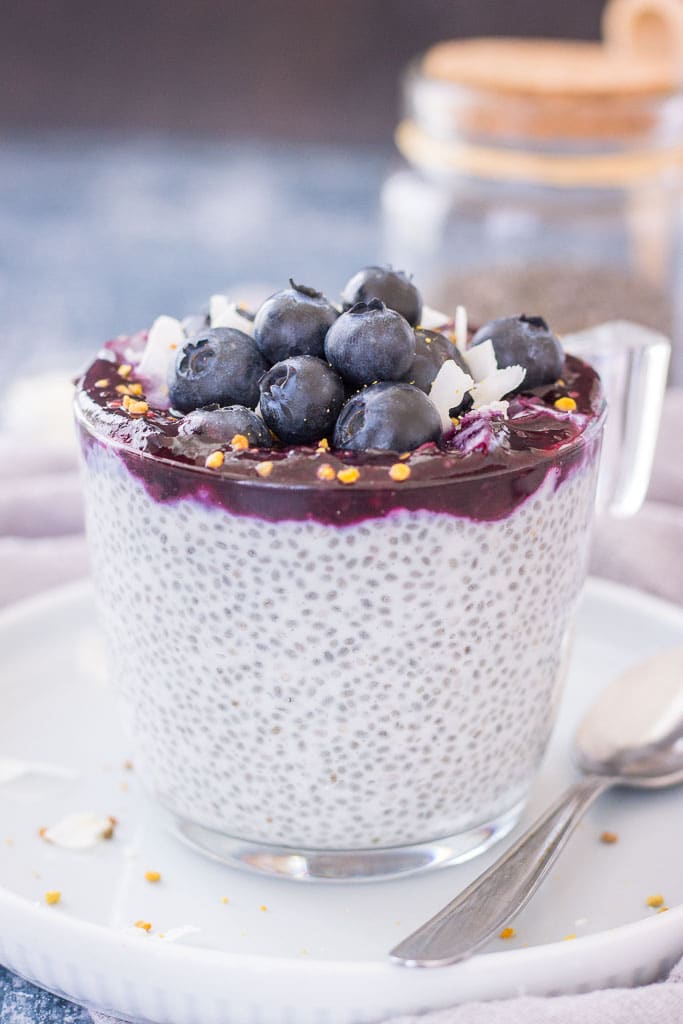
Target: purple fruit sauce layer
pixel 483 471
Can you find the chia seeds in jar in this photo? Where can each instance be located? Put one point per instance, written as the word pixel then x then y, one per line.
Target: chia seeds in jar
pixel 543 174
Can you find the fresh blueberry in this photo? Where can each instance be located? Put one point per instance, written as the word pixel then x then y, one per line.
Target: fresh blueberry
pixel 392 287
pixel 301 398
pixel 370 343
pixel 432 350
pixel 392 417
pixel 293 322
pixel 216 426
pixel 219 366
pixel 525 341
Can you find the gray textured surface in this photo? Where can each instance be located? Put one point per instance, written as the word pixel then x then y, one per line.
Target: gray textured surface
pixel 99 236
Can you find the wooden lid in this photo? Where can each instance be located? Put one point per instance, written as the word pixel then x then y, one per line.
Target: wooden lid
pixel 645 28
pixel 548 67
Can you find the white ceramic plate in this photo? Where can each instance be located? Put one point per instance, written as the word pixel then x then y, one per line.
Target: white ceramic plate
pixel 317 953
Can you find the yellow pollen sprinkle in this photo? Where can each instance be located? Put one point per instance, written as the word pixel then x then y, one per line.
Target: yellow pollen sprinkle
pixel 399 472
pixel 325 472
pixel 134 406
pixel 609 838
pixel 239 443
pixel 404 456
pixel 662 910
pixel 152 876
pixel 215 460
pixel 173 345
pixel 145 925
pixel 224 899
pixel 52 897
pixel 455 421
pixel 123 389
pixel 565 404
pixel 568 938
pixel 125 370
pixel 264 468
pixel 655 901
pixel 263 907
pixel 507 933
pixel 102 383
pixel 324 445
pixel 135 389
pixel 348 475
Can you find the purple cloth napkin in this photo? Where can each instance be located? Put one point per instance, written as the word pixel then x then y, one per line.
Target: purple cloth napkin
pixel 42 545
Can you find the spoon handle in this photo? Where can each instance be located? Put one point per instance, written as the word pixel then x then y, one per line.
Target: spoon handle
pixel 489 903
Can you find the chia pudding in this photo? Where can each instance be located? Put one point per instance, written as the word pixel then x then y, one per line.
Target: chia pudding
pixel 331 644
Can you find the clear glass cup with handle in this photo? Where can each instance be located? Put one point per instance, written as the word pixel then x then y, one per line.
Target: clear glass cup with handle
pixel 348 683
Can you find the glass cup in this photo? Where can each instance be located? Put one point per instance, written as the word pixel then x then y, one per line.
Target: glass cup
pixel 325 699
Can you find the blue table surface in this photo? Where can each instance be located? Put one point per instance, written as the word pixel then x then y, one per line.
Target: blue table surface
pixel 100 235
pixel 97 237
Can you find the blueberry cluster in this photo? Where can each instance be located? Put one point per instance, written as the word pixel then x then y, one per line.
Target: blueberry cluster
pixel 358 375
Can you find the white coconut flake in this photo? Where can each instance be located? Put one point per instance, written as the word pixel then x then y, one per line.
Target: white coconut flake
pixel 495 409
pixel 79 831
pixel 165 337
pixel 11 769
pixel 175 934
pixel 448 390
pixel 492 388
pixel 481 360
pixel 432 319
pixel 461 330
pixel 224 313
pixel 218 304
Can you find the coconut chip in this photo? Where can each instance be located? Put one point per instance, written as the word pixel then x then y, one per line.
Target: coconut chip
pixel 12 768
pixel 481 360
pixel 448 390
pixel 461 330
pixel 79 831
pixel 489 391
pixel 432 319
pixel 165 337
pixel 224 313
pixel 175 934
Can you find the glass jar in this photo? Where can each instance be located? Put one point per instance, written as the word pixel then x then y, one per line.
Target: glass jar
pixel 543 177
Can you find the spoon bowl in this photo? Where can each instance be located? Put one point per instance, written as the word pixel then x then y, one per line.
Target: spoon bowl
pixel 633 733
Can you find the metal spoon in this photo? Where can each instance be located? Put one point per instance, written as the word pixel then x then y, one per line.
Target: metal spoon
pixel 632 736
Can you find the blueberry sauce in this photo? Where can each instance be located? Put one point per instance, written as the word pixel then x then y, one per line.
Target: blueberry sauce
pixel 483 471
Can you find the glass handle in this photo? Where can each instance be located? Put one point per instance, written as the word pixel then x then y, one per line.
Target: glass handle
pixel 633 362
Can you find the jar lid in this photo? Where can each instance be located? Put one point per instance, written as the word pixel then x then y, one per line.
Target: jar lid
pixel 548 68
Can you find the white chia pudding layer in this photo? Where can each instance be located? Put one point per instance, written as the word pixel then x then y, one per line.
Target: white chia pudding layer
pixel 381 683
